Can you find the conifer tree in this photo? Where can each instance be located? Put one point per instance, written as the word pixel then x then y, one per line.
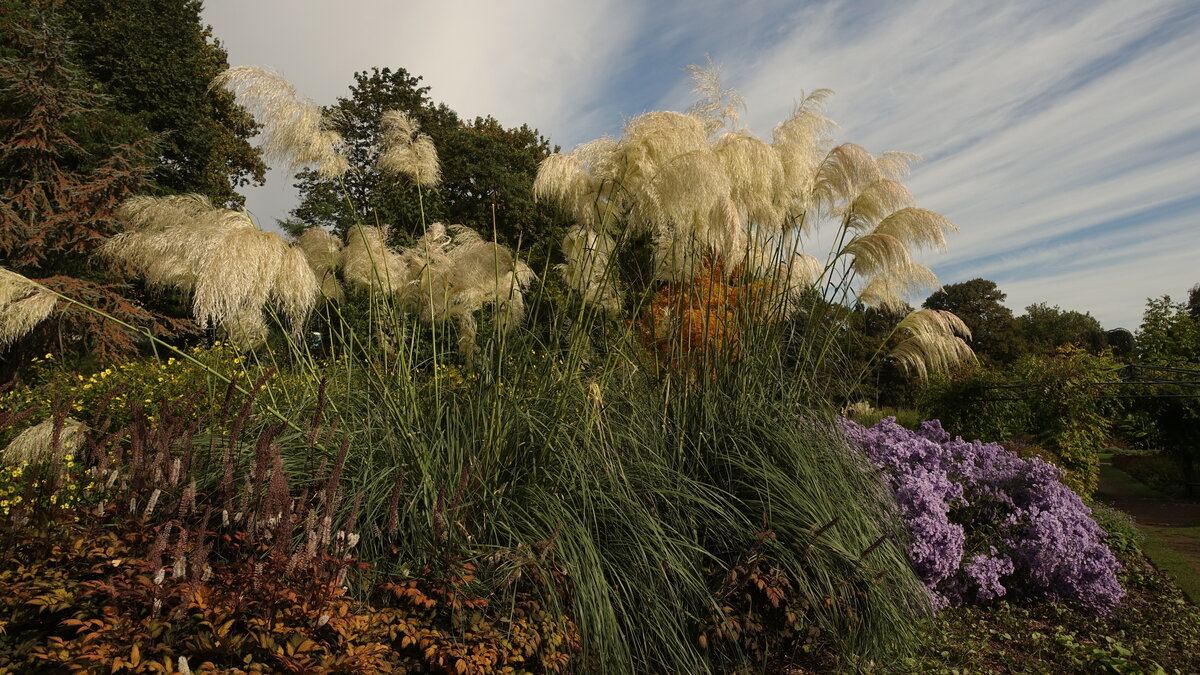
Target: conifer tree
pixel 57 200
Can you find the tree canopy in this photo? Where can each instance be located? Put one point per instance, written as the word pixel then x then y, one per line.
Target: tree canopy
pixel 57 196
pixel 1045 328
pixel 154 59
pixel 487 169
pixel 978 302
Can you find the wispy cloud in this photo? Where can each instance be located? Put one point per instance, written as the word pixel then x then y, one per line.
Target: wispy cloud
pixel 1063 138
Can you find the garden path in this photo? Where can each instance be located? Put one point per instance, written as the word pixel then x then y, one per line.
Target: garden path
pixel 1151 513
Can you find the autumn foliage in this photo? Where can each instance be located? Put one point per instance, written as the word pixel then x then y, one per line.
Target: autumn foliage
pixel 702 321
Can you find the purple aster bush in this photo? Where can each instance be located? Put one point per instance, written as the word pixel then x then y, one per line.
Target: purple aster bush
pixel 986 523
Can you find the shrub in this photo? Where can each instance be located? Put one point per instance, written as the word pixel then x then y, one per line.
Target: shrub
pixel 978 403
pixel 161 575
pixel 1072 413
pixel 985 523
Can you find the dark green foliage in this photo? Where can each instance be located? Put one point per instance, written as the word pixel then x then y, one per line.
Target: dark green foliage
pixel 154 60
pixel 1072 409
pixel 978 404
pixel 1120 340
pixel 1155 630
pixel 1170 338
pixel 59 186
pixel 995 336
pixel 487 170
pixel 1045 329
pixel 1061 401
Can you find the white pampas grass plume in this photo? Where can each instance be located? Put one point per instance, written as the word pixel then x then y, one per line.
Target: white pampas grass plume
pixel 238 275
pixel 801 142
pixel 246 329
pixel 756 178
pixel 589 254
pixel 843 174
pixel 876 253
pixel 23 305
pixel 934 344
pixel 876 202
pixel 917 227
pixel 889 291
pixel 715 105
pixel 895 165
pixel 36 443
pixel 294 129
pixel 563 180
pixel 295 289
pixel 369 263
pixel 407 151
pixel 323 251
pixel 231 268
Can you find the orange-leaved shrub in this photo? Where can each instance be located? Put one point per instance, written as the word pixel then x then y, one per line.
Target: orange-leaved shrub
pixel 701 321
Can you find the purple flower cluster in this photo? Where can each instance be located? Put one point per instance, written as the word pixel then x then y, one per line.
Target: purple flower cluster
pixel 986 523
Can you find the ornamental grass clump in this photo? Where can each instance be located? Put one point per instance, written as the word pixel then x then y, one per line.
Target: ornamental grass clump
pixel 715 204
pixel 986 524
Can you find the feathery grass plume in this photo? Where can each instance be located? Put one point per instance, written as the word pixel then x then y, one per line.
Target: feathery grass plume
pixel 802 271
pixel 876 253
pixel 651 143
pixel 408 151
pixel 586 271
pixel 460 273
pixel 801 141
pixel 23 305
pixel 895 165
pixel 237 276
pixel 876 202
pixel 563 181
pixel 716 105
pixel 37 442
pixel 888 291
pixel 231 268
pixel 369 263
pixel 247 328
pixel 295 290
pixel 935 342
pixel 294 129
pixel 843 174
pixel 917 227
pixel 756 177
pixel 323 251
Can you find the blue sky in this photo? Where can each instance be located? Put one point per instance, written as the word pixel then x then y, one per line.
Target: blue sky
pixel 1063 138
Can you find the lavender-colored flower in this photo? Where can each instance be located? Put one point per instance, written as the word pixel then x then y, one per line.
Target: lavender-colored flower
pixel 986 523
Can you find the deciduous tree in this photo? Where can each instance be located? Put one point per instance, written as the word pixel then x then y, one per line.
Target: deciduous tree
pixel 978 303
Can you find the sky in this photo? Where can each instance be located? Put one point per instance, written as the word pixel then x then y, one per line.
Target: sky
pixel 1062 138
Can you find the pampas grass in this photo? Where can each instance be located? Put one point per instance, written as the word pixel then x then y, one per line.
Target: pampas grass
pixel 934 342
pixel 231 268
pixel 697 186
pixel 38 442
pixel 294 129
pixel 23 305
pixel 323 253
pixel 407 151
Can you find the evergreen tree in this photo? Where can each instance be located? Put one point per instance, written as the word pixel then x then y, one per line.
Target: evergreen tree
pixel 56 198
pixel 155 59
